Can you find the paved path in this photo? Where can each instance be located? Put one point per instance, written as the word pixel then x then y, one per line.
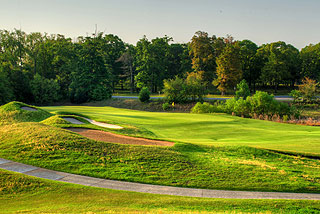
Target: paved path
pixel 147 188
pixel 280 98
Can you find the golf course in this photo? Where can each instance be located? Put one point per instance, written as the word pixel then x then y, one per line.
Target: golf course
pixel 207 151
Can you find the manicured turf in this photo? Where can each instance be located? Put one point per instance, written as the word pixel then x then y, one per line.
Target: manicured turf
pixel 24 194
pixel 237 168
pixel 202 165
pixel 210 129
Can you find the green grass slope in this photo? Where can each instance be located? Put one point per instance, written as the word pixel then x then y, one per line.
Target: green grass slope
pixel 12 112
pixel 25 194
pixel 210 129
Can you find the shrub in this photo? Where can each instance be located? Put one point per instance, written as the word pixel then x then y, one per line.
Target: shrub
pixel 242 90
pixel 144 95
pixel 242 107
pixel 166 106
pixel 263 103
pixel 175 90
pixel 296 95
pixel 196 87
pixel 206 108
pixel 229 105
pixel 308 89
pixel 180 90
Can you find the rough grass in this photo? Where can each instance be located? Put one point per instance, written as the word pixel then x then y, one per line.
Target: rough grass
pixel 12 112
pixel 187 165
pixel 55 120
pixel 24 194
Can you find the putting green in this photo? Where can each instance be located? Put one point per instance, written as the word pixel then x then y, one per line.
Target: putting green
pixel 210 129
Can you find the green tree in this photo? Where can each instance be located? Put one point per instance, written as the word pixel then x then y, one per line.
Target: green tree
pixel 281 64
pixel 175 90
pixel 308 89
pixel 250 63
pixel 45 91
pixel 91 80
pixel 229 70
pixel 242 90
pixel 310 56
pixel 203 55
pixel 127 60
pixel 6 93
pixel 12 63
pixel 152 62
pixel 196 88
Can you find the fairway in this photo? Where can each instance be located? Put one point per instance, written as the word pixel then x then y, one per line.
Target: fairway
pixel 209 129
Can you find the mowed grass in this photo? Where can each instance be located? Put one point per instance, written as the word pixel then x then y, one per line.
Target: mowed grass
pixel 214 165
pixel 186 165
pixel 24 194
pixel 210 129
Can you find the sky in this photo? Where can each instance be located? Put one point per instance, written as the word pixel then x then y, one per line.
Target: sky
pixel 261 21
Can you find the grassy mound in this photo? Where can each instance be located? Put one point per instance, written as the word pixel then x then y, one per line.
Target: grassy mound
pixel 12 112
pixel 21 193
pixel 55 120
pixel 187 165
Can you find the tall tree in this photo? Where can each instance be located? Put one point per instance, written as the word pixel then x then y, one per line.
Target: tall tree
pixel 310 56
pixel 229 71
pixel 250 64
pixel 281 63
pixel 112 48
pixel 12 63
pixel 152 62
pixel 127 60
pixel 203 55
pixel 91 79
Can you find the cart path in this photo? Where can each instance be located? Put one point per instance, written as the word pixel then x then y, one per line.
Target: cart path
pixel 147 188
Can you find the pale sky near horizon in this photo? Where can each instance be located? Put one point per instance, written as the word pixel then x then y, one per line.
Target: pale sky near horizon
pixel 293 21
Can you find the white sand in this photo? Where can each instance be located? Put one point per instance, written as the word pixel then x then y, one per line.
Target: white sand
pixel 28 108
pixel 106 125
pixel 73 120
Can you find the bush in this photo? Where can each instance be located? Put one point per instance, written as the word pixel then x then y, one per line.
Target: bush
pixel 196 88
pixel 242 107
pixel 206 108
pixel 180 90
pixel 175 90
pixel 144 95
pixel 260 103
pixel 242 90
pixel 166 106
pixel 263 103
pixel 296 95
pixel 308 89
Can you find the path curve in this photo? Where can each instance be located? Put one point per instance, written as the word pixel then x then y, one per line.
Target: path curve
pixel 147 188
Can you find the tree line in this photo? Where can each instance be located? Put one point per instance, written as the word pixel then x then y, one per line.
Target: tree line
pixel 42 69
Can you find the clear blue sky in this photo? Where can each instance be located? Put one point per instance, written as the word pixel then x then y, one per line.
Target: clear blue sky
pixel 293 21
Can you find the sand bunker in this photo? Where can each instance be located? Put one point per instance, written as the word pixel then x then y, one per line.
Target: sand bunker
pixel 115 138
pixel 73 120
pixel 106 125
pixel 29 108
